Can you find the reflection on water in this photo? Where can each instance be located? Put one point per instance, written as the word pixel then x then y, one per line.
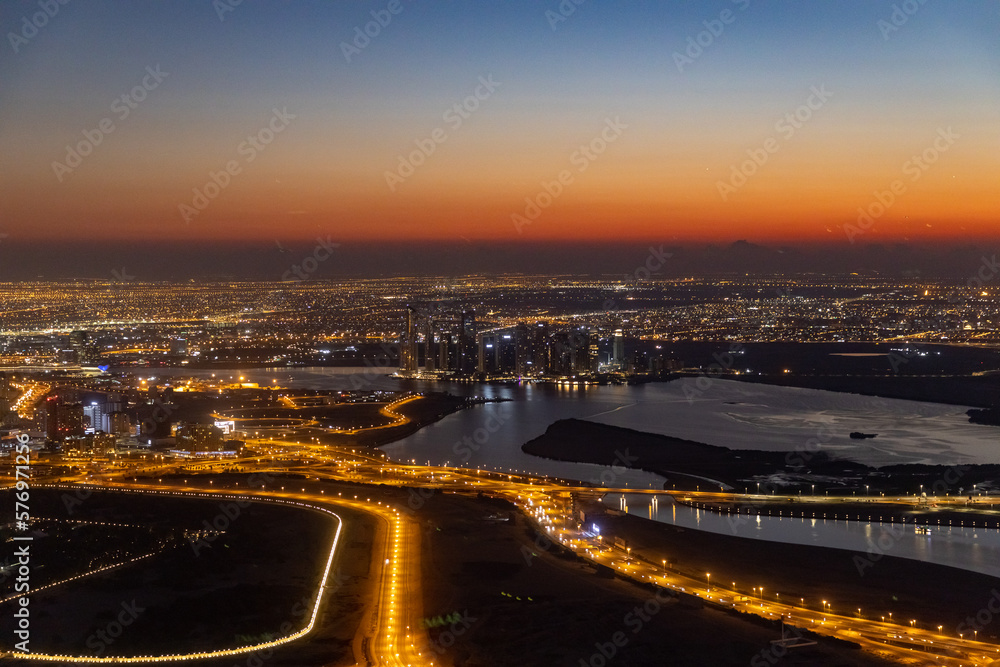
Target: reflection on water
pixel 976 549
pixel 726 413
pixel 486 436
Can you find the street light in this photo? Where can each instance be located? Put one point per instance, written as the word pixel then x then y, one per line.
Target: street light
pixel 708 582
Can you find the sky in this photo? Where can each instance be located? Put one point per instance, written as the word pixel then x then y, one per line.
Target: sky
pixel 847 123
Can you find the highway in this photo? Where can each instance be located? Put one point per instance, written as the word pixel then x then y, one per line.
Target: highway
pixel 394 614
pixel 391 635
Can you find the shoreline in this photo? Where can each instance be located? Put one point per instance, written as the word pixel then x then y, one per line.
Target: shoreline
pixel 687 465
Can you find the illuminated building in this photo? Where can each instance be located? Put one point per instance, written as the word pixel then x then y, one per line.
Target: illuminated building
pixel 408 347
pixel 467 352
pixel 618 350
pixel 445 356
pixel 80 342
pixel 429 345
pixel 94 415
pixel 116 423
pixel 63 420
pixel 200 438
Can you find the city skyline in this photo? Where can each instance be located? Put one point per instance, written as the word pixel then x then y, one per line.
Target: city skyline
pixel 533 332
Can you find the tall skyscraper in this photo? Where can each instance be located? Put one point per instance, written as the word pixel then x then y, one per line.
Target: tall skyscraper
pixel 618 350
pixel 80 342
pixel 467 343
pixel 408 347
pixel 429 351
pixel 540 351
pixel 444 352
pixel 524 347
pixel 486 355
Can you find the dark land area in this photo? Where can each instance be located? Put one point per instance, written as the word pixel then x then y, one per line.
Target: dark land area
pixel 526 601
pixel 685 462
pixel 989 417
pixel 235 588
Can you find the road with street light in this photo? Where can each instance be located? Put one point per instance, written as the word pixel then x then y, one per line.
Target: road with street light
pixel 391 634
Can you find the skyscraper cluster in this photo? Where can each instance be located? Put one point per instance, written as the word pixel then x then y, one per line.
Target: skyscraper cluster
pixel 455 346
